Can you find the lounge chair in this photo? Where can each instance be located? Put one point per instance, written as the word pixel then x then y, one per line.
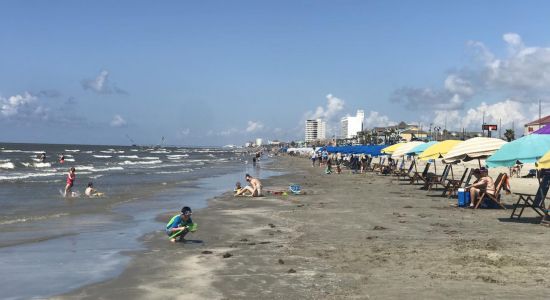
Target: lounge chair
pixel 499 184
pixel 420 176
pixel 436 180
pixel 453 185
pixel 377 167
pixel 403 173
pixel 536 202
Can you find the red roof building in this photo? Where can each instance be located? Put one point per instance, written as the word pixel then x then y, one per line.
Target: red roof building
pixel 536 125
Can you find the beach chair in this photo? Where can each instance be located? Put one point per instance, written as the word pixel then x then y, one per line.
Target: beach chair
pixel 499 184
pixel 453 185
pixel 536 201
pixel 403 173
pixel 420 176
pixel 377 167
pixel 436 180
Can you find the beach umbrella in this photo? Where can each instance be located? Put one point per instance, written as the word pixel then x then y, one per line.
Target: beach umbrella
pixel 420 148
pixel 402 151
pixel 475 148
pixel 543 130
pixel 392 148
pixel 527 149
pixel 438 150
pixel 544 161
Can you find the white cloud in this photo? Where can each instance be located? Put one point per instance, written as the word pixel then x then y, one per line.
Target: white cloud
pixel 329 112
pixel 375 119
pixel 101 84
pixel 17 104
pixel 118 121
pixel 228 132
pixel 254 126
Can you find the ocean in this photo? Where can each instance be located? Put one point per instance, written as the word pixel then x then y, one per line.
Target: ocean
pixel 50 244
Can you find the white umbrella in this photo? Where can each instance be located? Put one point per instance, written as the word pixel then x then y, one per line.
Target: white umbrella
pixel 401 151
pixel 475 148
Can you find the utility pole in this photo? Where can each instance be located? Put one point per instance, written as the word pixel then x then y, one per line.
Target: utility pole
pixel 539 114
pixel 499 128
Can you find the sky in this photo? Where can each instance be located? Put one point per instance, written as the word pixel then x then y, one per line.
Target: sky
pixel 225 72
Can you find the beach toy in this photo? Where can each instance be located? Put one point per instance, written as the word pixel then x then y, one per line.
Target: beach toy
pixel 192 228
pixel 296 189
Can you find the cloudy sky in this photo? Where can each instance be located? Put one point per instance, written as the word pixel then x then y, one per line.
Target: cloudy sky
pixel 220 72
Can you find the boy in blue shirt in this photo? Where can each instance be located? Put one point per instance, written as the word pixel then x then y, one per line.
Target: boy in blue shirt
pixel 180 225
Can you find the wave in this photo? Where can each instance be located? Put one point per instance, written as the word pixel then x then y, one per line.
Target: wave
pixel 102 156
pixel 107 169
pixel 72 150
pixel 7 165
pixel 112 151
pixel 12 151
pixel 5 160
pixel 88 152
pixel 128 156
pixel 69 159
pixel 177 156
pixel 37 165
pixel 25 176
pixel 148 162
pixel 80 168
pixel 150 157
pixel 175 172
pixel 34 218
pixel 161 151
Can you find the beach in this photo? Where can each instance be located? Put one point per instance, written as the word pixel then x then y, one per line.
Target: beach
pixel 350 236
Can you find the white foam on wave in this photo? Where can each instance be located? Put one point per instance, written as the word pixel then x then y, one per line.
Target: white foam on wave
pixel 134 150
pixel 102 156
pixel 88 152
pixel 42 165
pixel 112 151
pixel 12 151
pixel 151 157
pixel 147 162
pixel 175 172
pixel 80 168
pixel 72 150
pixel 5 160
pixel 7 165
pixel 69 159
pixel 177 156
pixel 18 176
pixel 35 218
pixel 107 169
pixel 161 152
pixel 128 156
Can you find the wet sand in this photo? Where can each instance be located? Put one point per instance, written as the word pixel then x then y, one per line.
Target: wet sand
pixel 359 236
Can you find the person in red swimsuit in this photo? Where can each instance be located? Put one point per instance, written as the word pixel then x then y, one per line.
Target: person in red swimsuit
pixel 70 182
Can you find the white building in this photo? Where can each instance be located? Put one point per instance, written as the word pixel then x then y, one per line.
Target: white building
pixel 351 125
pixel 315 130
pixel 259 142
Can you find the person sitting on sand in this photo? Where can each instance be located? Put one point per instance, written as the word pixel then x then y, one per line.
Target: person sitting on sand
pixel 71 177
pixel 255 187
pixel 179 225
pixel 238 187
pixel 483 182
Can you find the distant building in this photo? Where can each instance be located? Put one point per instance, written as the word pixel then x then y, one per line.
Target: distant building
pixel 350 126
pixel 536 125
pixel 412 134
pixel 259 142
pixel 315 130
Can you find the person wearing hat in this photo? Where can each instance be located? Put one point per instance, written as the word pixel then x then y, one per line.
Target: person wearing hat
pixel 179 225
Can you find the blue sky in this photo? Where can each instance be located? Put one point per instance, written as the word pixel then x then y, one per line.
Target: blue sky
pixel 220 72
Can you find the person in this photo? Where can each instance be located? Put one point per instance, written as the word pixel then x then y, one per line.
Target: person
pixel 255 187
pixel 313 158
pixel 42 157
pixel 91 191
pixel 238 187
pixel 179 225
pixel 483 182
pixel 71 177
pixel 328 169
pixel 62 158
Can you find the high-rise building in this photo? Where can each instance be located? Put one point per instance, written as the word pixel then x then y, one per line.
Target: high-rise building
pixel 351 125
pixel 315 130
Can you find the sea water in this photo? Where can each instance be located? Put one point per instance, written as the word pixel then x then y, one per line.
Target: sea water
pixel 50 244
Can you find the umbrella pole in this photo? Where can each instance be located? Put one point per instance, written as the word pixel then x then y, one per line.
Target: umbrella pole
pixel 479 162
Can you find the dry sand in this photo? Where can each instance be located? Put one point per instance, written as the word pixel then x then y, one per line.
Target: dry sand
pixel 352 236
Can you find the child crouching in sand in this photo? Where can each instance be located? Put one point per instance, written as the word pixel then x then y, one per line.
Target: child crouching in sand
pixel 180 225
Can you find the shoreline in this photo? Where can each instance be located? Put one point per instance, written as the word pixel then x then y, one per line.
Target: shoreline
pixel 351 236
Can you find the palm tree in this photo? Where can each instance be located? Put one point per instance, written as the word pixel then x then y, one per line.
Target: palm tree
pixel 509 135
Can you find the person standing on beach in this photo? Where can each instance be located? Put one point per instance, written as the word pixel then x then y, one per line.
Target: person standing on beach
pixel 71 177
pixel 255 187
pixel 313 158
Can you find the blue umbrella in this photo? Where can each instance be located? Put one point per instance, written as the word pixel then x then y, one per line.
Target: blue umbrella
pixel 420 148
pixel 527 149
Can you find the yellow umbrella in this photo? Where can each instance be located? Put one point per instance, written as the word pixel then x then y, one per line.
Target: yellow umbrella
pixel 544 161
pixel 392 148
pixel 438 150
